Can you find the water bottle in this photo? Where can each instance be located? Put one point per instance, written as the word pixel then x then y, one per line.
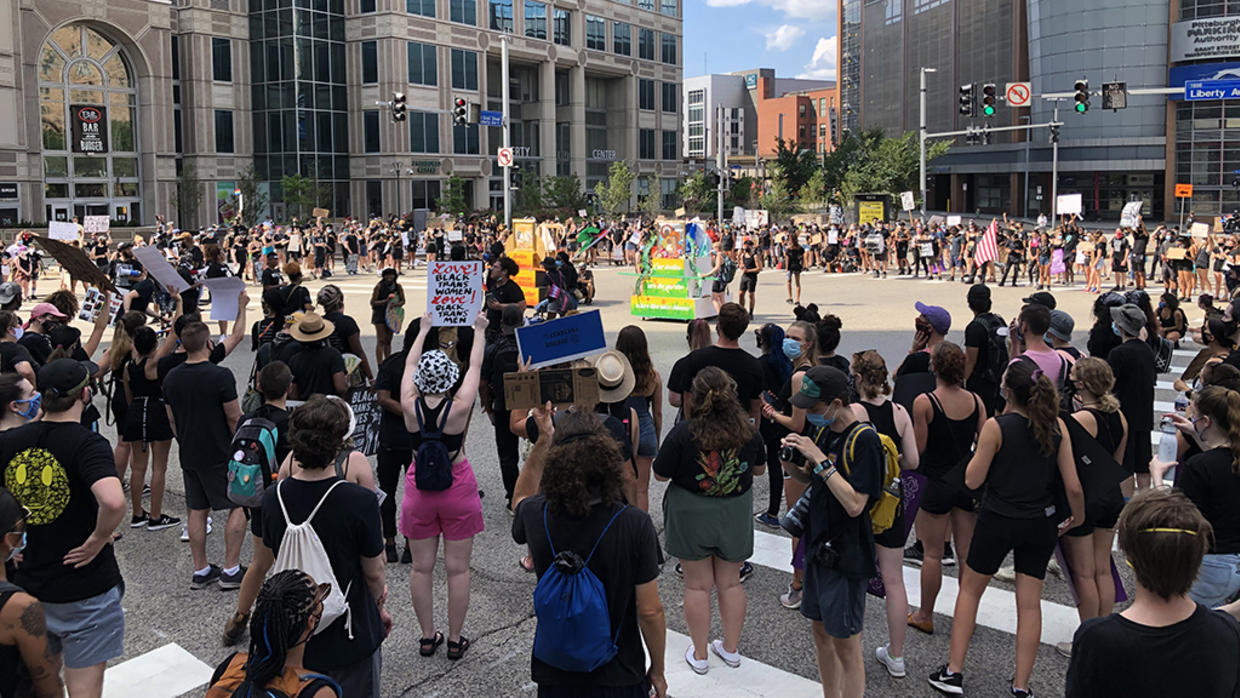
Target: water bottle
pixel 1181 403
pixel 1167 443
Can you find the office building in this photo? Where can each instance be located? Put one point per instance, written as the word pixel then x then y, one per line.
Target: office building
pixel 137 97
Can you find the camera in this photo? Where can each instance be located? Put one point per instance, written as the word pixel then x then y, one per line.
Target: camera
pixel 826 556
pixel 790 454
pixel 794 521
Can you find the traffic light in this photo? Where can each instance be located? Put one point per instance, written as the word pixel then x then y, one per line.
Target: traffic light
pixel 990 99
pixel 1082 96
pixel 1054 133
pixel 968 100
pixel 514 177
pixel 985 135
pixel 399 106
pixel 460 112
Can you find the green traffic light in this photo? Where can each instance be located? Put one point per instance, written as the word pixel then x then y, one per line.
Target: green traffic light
pixel 1081 107
pixel 989 110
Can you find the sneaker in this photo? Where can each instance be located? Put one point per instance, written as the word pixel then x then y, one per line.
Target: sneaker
pixel 914 554
pixel 406 557
pixel 390 551
pixel 1007 573
pixel 232 581
pixel 162 522
pixel 140 520
pixel 235 628
pixel 699 666
pixel 1064 649
pixel 949 556
pixel 895 666
pixel 211 576
pixel 766 519
pixel 732 659
pixel 1053 568
pixel 185 530
pixel 952 684
pixel 792 598
pixel 1022 692
pixel 146 490
pixel 746 571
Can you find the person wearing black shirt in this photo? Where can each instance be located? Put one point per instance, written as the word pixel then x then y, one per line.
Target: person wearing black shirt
pixel 346 336
pixel 500 357
pixel 1140 241
pixel 979 377
pixel 318 367
pixel 1132 362
pixel 502 292
pixel 387 293
pixel 271 277
pixel 751 264
pixel 395 449
pixel 1128 654
pixel 727 354
pixel 14 356
pixel 567 517
pixel 796 263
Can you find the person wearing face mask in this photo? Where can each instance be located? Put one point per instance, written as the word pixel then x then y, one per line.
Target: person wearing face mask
pixel 14 356
pixel 23 401
pixel 842 461
pixel 776 370
pixel 502 291
pixel 29 664
pixel 64 474
pixel 43 318
pixel 1132 363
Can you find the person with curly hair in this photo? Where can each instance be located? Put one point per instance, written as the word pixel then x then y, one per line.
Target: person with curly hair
pixel 711 459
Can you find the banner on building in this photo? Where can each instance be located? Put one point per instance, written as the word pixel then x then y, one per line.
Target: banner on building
pixel 1210 37
pixel 89 126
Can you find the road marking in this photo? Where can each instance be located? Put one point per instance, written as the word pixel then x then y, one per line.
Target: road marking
pixel 751 678
pixel 997 609
pixel 165 672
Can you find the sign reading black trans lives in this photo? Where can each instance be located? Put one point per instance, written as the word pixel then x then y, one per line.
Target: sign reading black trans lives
pixel 90 128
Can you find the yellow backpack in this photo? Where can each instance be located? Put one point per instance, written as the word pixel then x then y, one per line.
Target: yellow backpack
pixel 883 511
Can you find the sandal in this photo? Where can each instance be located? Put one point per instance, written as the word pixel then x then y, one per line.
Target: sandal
pixel 456 650
pixel 926 627
pixel 428 645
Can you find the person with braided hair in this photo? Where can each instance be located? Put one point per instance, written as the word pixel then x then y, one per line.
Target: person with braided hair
pixel 711 459
pixel 346 336
pixel 288 611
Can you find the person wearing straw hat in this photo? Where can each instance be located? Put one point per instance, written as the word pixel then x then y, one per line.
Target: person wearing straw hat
pixel 615 383
pixel 317 366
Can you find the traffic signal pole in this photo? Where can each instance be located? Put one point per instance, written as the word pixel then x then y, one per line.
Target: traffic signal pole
pixel 506 134
pixel 921 159
pixel 1055 167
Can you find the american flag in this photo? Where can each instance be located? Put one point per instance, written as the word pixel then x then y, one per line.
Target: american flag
pixel 988 247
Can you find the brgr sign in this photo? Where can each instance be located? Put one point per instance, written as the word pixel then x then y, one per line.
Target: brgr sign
pixel 90 128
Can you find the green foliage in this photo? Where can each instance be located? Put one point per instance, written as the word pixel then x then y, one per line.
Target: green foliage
pixel 814 193
pixel 253 200
pixel 528 198
pixel 887 165
pixel 650 204
pixel 615 194
pixel 453 199
pixel 563 193
pixel 187 197
pixel 696 191
pixel 300 194
pixel 777 201
pixel 742 191
pixel 794 167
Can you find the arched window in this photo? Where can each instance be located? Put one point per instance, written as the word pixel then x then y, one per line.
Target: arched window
pixel 98 172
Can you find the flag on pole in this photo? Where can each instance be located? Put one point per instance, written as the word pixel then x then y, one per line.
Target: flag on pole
pixel 988 247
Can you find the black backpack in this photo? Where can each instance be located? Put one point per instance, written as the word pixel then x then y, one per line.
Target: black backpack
pixel 504 358
pixel 996 350
pixel 727 270
pixel 432 463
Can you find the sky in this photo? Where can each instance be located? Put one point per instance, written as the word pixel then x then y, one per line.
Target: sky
pixel 795 37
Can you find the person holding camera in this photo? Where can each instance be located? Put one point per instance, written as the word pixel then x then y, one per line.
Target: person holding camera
pixel 842 460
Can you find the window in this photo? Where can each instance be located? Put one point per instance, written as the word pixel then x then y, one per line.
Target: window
pixel 221 59
pixel 920 6
pixel 667 187
pixel 423 65
pixel 622 39
pixel 645 94
pixel 370 62
pixel 223 131
pixel 423 132
pixel 671 97
pixel 563 27
pixel 535 19
pixel 426 8
pixel 645 143
pixel 645 44
pixel 501 15
pixel 463 11
pixel 669 48
pixel 464 69
pixel 176 57
pixel 370 124
pixel 596 33
pixel 366 6
pixel 895 8
pixel 669 7
pixel 801 109
pixel 465 139
pixel 669 145
pixel 646 4
pixel 374 197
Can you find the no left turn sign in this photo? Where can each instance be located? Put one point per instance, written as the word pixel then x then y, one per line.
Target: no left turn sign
pixel 1018 94
pixel 505 157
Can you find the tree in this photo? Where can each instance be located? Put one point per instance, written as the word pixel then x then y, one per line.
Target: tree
pixel 776 200
pixel 814 192
pixel 453 199
pixel 615 194
pixel 253 199
pixel 650 204
pixel 563 192
pixel 742 191
pixel 887 165
pixel 795 166
pixel 695 191
pixel 300 194
pixel 187 198
pixel 528 196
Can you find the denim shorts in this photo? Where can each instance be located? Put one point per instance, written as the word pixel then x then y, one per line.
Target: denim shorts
pixel 90 631
pixel 647 442
pixel 1217 581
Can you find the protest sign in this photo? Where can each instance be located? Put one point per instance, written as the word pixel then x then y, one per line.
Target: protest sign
pixel 756 218
pixel 953 220
pixel 75 261
pixel 833 236
pixel 153 261
pixel 581 212
pixel 96 301
pixel 1177 253
pixel 559 386
pixel 320 213
pixel 455 236
pixel 62 230
pixel 366 415
pixel 738 215
pixel 907 201
pixel 225 296
pixel 96 224
pixel 1068 204
pixel 1200 230
pixel 680 212
pixel 1132 211
pixel 454 293
pixel 562 339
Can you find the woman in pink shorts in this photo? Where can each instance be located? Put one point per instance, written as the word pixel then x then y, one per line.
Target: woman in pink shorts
pixel 428 509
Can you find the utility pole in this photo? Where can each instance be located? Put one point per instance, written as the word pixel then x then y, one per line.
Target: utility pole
pixel 921 154
pixel 1055 166
pixel 720 159
pixel 507 134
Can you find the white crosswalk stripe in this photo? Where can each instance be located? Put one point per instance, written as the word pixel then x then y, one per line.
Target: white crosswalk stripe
pixel 165 672
pixel 751 678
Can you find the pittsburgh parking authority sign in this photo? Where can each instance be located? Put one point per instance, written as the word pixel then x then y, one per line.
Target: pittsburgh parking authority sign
pixel 90 128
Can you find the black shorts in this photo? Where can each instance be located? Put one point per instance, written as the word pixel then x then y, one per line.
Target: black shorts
pixel 836 600
pixel 941 497
pixel 146 421
pixel 1031 542
pixel 749 283
pixel 718 286
pixel 896 536
pixel 206 488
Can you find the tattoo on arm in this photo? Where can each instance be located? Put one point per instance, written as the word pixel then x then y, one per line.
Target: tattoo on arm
pixel 33 621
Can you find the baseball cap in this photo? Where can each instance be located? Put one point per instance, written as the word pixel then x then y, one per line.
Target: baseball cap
pixel 1062 325
pixel 9 291
pixel 820 384
pixel 939 318
pixel 1042 298
pixel 43 309
pixel 63 377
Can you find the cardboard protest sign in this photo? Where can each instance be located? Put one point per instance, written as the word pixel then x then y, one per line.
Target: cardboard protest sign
pixel 320 213
pixel 562 339
pixel 455 235
pixel 157 266
pixel 75 261
pixel 96 224
pixel 559 386
pixel 1177 253
pixel 62 230
pixel 1200 230
pixel 454 293
pixel 1132 211
pixel 1068 204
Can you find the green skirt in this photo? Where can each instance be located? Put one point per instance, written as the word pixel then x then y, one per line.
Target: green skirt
pixel 697 527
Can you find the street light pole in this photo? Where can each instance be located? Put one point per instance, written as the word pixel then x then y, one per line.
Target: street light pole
pixel 1055 166
pixel 507 136
pixel 921 140
pixel 1028 139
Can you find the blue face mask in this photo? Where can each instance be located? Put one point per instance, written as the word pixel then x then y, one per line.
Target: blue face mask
pixel 819 420
pixel 20 547
pixel 1115 329
pixel 792 348
pixel 32 406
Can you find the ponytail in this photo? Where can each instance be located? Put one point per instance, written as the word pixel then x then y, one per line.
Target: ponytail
pixel 1036 394
pixel 718 421
pixel 1222 406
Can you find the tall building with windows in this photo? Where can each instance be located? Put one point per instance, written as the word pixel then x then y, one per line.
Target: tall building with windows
pixel 138 106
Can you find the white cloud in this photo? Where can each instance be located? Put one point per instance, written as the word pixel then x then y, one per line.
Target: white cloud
pixel 726 3
pixel 782 38
pixel 818 10
pixel 822 66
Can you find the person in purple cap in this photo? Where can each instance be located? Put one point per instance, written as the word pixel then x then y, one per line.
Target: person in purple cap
pixel 931 326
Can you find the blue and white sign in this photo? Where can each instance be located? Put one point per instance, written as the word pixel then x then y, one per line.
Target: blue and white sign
pixel 1181 75
pixel 490 118
pixel 1212 89
pixel 562 339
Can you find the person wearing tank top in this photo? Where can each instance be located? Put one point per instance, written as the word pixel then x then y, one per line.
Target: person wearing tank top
pixel 945 422
pixel 27 663
pixel 892 420
pixel 1088 546
pixel 1015 463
